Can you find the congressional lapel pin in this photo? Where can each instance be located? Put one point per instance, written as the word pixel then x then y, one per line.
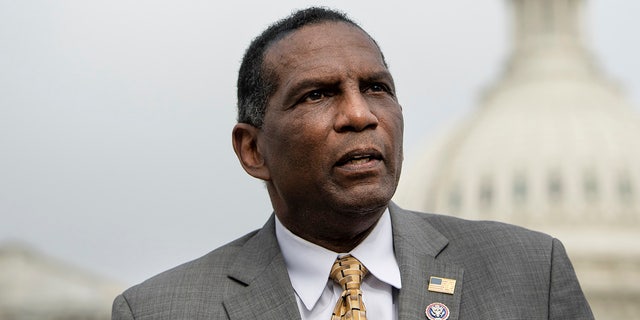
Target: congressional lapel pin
pixel 442 285
pixel 437 311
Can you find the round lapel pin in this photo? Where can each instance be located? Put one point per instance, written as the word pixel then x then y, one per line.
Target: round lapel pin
pixel 437 311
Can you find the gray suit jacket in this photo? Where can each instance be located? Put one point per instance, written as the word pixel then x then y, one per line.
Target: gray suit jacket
pixel 502 272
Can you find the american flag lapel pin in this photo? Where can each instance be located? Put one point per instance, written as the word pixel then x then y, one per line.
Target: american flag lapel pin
pixel 442 285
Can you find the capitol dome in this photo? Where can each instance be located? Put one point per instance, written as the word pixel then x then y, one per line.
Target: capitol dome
pixel 553 145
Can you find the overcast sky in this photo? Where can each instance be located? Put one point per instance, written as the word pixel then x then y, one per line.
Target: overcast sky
pixel 115 116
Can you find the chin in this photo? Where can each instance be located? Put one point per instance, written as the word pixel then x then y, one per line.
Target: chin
pixel 363 204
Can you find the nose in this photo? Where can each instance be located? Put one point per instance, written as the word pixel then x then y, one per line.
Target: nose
pixel 355 114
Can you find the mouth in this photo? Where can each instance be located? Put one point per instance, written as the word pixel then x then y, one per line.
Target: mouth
pixel 359 158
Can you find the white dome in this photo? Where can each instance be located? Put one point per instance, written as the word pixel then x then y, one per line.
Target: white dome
pixel 552 142
pixel 554 150
pixel 553 146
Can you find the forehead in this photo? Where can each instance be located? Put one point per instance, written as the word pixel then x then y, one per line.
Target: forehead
pixel 322 44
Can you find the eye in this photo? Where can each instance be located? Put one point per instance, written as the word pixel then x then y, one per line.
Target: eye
pixel 313 96
pixel 378 87
pixel 316 96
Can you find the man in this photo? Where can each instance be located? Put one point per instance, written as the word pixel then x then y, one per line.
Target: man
pixel 320 123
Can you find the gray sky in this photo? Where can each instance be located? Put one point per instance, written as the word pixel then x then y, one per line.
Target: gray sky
pixel 115 116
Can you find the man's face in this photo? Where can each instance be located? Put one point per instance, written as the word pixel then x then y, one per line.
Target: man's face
pixel 332 132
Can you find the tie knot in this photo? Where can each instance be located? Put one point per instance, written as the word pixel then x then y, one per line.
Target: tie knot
pixel 348 272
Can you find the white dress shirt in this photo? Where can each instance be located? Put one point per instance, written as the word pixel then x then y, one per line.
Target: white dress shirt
pixel 309 266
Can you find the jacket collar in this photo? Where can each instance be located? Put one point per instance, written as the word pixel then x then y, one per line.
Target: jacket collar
pixel 260 267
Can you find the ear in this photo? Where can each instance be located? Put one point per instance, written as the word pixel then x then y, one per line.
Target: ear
pixel 245 138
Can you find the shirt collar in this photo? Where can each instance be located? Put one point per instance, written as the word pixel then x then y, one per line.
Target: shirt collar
pixel 310 274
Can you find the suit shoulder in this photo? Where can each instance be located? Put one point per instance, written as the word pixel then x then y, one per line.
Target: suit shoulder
pixel 208 272
pixel 490 237
pixel 458 227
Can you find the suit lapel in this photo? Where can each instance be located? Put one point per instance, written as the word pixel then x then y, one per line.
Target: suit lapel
pixel 417 245
pixel 260 267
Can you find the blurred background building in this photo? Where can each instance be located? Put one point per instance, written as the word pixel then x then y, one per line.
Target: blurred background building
pixel 34 286
pixel 554 146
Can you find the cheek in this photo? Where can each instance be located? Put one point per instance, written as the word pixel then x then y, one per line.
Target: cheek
pixel 398 121
pixel 299 147
pixel 394 125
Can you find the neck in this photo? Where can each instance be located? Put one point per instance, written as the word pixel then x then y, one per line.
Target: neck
pixel 336 231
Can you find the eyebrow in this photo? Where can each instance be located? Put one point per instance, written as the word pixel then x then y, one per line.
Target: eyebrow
pixel 332 81
pixel 312 83
pixel 294 92
pixel 378 76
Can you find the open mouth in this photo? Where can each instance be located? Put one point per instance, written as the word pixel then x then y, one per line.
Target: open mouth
pixel 359 157
pixel 359 160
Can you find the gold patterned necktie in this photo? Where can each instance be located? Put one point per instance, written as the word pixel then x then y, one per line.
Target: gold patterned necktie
pixel 349 272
